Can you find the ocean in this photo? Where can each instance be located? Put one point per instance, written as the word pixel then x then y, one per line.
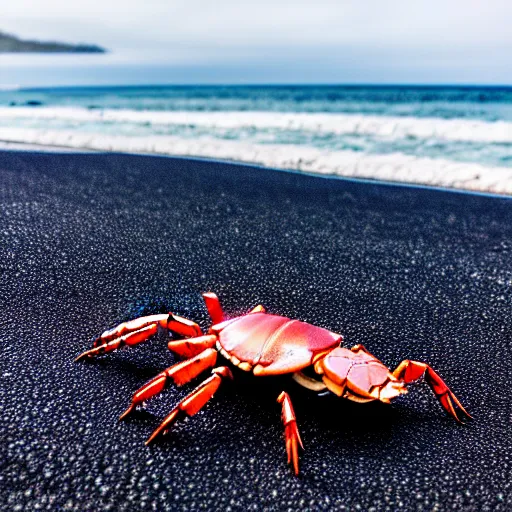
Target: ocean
pixel 447 136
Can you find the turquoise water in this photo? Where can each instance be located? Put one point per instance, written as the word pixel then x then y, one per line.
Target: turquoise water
pixel 445 125
pixel 483 103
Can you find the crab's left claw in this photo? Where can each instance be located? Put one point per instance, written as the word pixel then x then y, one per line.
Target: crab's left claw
pixel 409 371
pixel 132 338
pixel 87 354
pixel 139 330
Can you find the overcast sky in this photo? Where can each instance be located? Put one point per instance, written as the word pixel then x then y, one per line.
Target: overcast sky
pixel 454 41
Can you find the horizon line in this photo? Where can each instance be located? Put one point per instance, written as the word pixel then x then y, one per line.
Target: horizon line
pixel 14 87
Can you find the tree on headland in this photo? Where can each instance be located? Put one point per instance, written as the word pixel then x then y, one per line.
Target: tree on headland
pixel 12 44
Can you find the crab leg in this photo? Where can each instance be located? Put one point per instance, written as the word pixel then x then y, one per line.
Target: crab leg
pixel 130 326
pixel 291 432
pixel 213 306
pixel 139 330
pixel 410 371
pixel 132 338
pixel 194 402
pixel 183 326
pixel 190 347
pixel 179 373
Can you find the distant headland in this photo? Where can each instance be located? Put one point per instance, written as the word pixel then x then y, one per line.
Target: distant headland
pixel 12 44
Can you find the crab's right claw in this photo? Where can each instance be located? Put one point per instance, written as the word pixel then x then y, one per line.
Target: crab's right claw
pixel 446 397
pixel 410 371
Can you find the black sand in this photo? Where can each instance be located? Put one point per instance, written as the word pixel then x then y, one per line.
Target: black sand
pixel 89 240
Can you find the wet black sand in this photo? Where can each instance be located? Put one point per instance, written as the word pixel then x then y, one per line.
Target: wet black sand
pixel 89 240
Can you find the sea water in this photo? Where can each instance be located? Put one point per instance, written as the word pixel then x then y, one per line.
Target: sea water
pixel 449 136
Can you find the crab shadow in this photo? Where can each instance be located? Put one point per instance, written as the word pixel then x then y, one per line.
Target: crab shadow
pixel 328 413
pixel 248 407
pixel 135 370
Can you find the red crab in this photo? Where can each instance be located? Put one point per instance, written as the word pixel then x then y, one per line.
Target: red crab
pixel 267 345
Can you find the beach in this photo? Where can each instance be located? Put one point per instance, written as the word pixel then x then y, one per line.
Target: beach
pixel 92 239
pixel 454 137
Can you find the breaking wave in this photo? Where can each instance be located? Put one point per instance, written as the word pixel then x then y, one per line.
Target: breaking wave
pixel 393 166
pixel 388 127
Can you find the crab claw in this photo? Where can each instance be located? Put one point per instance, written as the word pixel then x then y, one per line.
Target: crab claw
pixel 132 338
pixel 445 395
pixel 410 371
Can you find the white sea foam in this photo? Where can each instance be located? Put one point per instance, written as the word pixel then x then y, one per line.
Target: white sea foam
pixel 388 127
pixel 395 167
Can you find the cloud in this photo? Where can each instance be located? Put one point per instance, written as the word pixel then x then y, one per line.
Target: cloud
pixel 266 23
pixel 407 37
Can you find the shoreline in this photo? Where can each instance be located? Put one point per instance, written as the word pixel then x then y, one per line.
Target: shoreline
pixel 39 148
pixel 7 145
pixel 445 137
pixel 392 168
